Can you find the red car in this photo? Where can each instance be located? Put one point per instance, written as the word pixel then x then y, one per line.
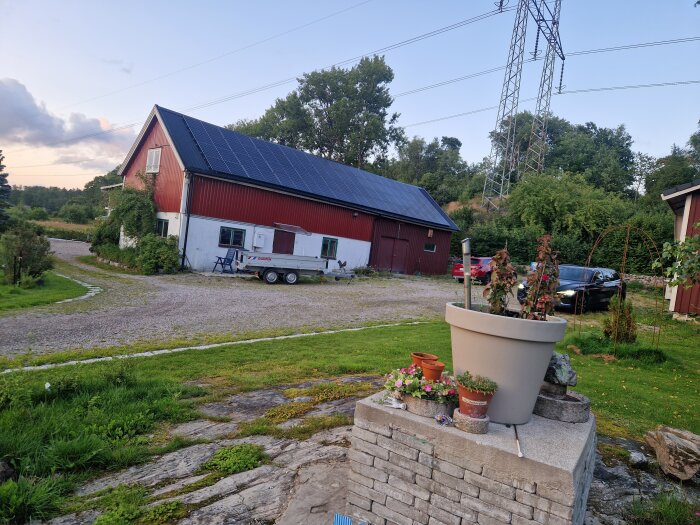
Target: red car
pixel 479 270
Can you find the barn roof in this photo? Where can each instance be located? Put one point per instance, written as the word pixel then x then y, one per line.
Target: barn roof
pixel 212 150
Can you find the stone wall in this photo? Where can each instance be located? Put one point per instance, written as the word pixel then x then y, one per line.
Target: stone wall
pixel 407 470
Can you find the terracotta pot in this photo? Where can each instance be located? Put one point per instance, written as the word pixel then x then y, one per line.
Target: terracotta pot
pixel 419 357
pixel 511 351
pixel 432 370
pixel 473 404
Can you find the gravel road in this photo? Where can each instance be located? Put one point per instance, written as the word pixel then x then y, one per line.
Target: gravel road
pixel 136 308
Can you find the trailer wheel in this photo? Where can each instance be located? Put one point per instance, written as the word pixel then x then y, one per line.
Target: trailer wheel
pixel 270 276
pixel 291 277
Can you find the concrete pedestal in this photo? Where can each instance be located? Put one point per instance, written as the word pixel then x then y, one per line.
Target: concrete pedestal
pixel 408 470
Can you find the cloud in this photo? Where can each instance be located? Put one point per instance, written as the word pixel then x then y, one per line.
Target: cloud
pixel 24 120
pixel 95 163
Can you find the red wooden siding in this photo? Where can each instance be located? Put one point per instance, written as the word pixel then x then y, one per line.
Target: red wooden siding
pixel 168 190
pixel 400 247
pixel 688 299
pixel 228 200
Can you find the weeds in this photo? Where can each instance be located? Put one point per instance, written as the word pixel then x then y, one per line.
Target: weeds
pixel 235 459
pixel 665 509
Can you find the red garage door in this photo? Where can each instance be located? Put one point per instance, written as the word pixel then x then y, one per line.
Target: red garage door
pixel 392 254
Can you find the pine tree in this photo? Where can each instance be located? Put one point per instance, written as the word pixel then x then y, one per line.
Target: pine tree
pixel 4 195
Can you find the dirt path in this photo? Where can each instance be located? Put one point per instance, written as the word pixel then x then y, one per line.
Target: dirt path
pixel 135 308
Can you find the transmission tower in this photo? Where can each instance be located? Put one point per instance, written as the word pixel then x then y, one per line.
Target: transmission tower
pixel 505 153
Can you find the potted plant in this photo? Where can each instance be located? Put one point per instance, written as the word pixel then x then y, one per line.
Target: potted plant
pixel 432 370
pixel 422 396
pixel 419 357
pixel 475 393
pixel 512 348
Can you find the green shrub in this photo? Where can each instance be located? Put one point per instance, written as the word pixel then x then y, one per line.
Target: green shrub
pixel 127 256
pixel 238 458
pixel 106 232
pixel 29 499
pixel 621 326
pixel 77 213
pixel 596 343
pixel 158 254
pixel 24 252
pixel 69 235
pixel 136 212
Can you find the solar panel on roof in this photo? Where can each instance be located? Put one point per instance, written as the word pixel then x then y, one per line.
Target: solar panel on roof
pixel 231 154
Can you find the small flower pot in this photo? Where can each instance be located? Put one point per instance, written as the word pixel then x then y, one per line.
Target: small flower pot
pixel 473 404
pixel 432 370
pixel 419 357
pixel 427 407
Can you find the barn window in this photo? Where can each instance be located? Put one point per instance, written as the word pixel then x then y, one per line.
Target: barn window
pixel 153 160
pixel 231 237
pixel 161 227
pixel 329 248
pixel 429 247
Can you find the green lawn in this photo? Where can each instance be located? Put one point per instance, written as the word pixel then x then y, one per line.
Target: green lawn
pixel 55 289
pixel 96 417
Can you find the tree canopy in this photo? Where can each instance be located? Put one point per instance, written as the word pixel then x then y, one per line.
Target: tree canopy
pixel 339 114
pixel 4 195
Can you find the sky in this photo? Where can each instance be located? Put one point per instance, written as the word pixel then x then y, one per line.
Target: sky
pixel 78 67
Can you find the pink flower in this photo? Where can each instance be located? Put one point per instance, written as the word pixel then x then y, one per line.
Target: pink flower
pixel 451 392
pixel 403 370
pixel 427 388
pixel 398 384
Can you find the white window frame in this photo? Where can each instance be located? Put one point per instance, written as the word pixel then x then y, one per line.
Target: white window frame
pixel 153 160
pixel 425 247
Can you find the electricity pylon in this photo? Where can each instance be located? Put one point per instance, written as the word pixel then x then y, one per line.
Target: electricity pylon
pixel 505 165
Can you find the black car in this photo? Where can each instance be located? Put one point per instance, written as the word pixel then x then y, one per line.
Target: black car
pixel 583 288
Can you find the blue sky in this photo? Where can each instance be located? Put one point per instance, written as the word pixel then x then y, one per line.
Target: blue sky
pixel 60 63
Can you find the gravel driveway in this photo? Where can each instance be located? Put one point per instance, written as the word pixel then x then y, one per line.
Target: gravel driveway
pixel 136 308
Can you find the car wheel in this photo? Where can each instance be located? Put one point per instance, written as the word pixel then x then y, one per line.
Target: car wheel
pixel 460 281
pixel 291 277
pixel 271 276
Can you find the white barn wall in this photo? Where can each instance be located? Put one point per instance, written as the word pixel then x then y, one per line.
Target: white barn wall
pixel 203 243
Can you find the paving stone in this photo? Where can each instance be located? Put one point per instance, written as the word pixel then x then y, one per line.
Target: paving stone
pixel 204 429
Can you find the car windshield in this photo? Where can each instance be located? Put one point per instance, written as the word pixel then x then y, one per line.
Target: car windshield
pixel 574 273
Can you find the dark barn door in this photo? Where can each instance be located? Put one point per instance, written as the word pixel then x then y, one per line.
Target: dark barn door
pixel 392 254
pixel 283 242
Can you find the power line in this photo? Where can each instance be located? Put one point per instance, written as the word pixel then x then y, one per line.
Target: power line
pixel 480 110
pixel 219 57
pixel 624 47
pixel 570 92
pixel 252 91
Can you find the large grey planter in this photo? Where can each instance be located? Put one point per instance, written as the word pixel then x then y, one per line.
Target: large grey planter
pixel 513 352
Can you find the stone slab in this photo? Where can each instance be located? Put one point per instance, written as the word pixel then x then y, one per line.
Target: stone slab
pixel 472 425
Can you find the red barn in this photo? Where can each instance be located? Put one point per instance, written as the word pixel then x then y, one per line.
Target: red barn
pixel 216 189
pixel 684 200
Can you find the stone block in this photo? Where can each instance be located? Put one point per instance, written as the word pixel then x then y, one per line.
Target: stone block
pixel 488 520
pixel 369 472
pixel 544 504
pixel 359 501
pixel 416 442
pixel 504 478
pixel 412 488
pixel 443 516
pixel 394 492
pixel 365 435
pixel 435 521
pixel 359 513
pixel 426 459
pixel 519 520
pixel 481 506
pixel 391 515
pixel 414 513
pixel 361 457
pixel 456 483
pixel 413 466
pixel 359 478
pixel 452 507
pixel 366 492
pixel 512 506
pixel 398 448
pixel 369 448
pixel 448 468
pixel 374 427
pixel 490 485
pixel 435 487
pixel 394 470
pixel 459 460
pixel 545 518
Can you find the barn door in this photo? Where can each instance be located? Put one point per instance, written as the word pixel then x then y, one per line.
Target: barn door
pixel 283 242
pixel 400 259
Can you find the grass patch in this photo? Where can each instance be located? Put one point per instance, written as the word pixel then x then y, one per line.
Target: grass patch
pixel 92 261
pixel 55 288
pixel 664 508
pixel 591 343
pixel 613 454
pixel 235 459
pixel 282 413
pixel 30 499
pixel 325 392
pixel 307 428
